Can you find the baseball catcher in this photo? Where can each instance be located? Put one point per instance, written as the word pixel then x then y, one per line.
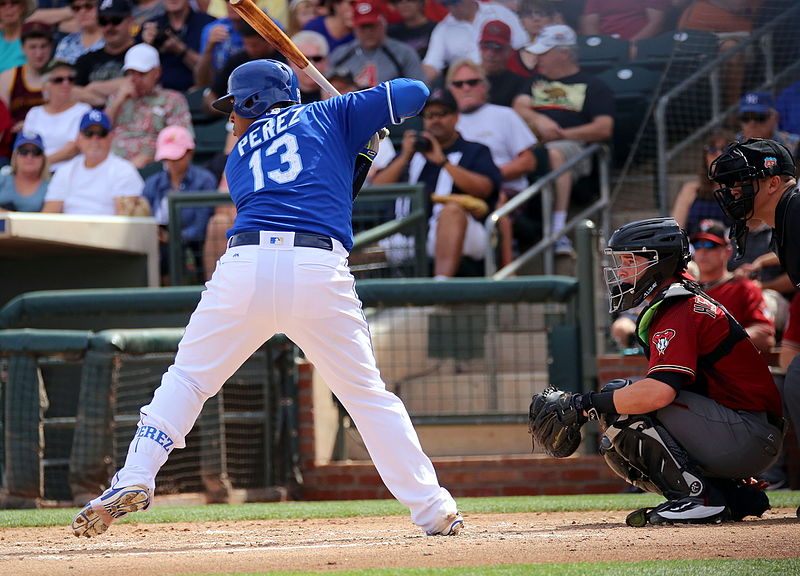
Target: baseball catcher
pixel 706 416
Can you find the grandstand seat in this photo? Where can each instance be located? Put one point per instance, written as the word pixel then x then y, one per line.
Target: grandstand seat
pixel 209 140
pixel 194 98
pixel 396 131
pixel 153 168
pixel 598 52
pixel 634 88
pixel 687 46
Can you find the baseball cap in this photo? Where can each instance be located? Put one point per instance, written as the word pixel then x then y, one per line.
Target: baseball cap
pixel 496 31
pixel 443 97
pixel 367 12
pixel 551 36
pixel 141 58
pixel 758 102
pixel 56 63
pixel 95 117
pixel 173 142
pixel 115 8
pixel 711 230
pixel 29 138
pixel 768 155
pixel 36 29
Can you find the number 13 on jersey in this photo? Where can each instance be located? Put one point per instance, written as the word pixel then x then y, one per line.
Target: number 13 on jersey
pixel 285 146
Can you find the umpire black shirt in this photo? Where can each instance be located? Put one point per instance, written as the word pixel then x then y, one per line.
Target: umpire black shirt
pixel 787 244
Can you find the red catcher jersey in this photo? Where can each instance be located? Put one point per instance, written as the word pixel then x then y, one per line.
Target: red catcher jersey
pixel 692 327
pixel 791 332
pixel 744 300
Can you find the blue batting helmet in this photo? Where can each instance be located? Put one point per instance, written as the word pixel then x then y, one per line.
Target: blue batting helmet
pixel 256 86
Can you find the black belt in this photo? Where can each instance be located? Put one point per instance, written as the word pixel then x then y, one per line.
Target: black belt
pixel 775 420
pixel 301 239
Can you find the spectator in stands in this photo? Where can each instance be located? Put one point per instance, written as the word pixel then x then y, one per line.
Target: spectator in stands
pixel 495 47
pixel 788 107
pixel 314 46
pixel 141 108
pixel 301 12
pixel 6 134
pixel 732 21
pixel 511 146
pixel 627 19
pixel 99 72
pixel 255 47
pixel 89 37
pixel 175 150
pixel 12 15
pixel 457 35
pixel 372 57
pixel 222 219
pixel 96 181
pixel 58 119
pixel 760 263
pixel 146 10
pixel 337 26
pixel 534 15
pixel 415 28
pixel 742 297
pixel 23 187
pixel 695 201
pixel 21 87
pixel 758 118
pixel 176 36
pixel 452 169
pixel 219 40
pixel 278 10
pixel 566 108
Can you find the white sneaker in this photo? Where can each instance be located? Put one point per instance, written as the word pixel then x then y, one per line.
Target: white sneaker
pixel 451 526
pixel 113 504
pixel 683 511
pixel 563 247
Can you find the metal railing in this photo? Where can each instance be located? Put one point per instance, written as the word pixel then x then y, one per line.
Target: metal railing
pixel 544 186
pixel 710 72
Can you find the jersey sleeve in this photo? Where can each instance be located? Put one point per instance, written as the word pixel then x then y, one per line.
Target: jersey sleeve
pixel 673 342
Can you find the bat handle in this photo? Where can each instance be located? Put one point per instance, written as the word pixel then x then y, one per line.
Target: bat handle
pixel 312 72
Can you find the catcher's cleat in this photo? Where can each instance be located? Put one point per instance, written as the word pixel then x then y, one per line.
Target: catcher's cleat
pixel 451 526
pixel 98 514
pixel 683 511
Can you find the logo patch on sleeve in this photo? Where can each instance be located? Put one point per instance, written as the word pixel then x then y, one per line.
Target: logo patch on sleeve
pixel 661 340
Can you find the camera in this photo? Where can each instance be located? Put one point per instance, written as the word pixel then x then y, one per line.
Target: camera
pixel 422 144
pixel 161 37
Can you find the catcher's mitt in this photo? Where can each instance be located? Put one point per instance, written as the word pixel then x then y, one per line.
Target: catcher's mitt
pixel 555 422
pixel 475 206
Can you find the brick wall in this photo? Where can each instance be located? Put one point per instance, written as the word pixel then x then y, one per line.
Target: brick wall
pixel 513 475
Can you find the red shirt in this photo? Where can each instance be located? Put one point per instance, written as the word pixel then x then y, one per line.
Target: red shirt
pixel 744 300
pixel 689 327
pixel 791 332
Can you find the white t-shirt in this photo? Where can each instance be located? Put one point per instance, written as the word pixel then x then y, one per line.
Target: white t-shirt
pixel 92 190
pixel 502 131
pixel 453 39
pixel 56 130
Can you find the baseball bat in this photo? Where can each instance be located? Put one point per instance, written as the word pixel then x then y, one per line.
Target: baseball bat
pixel 272 33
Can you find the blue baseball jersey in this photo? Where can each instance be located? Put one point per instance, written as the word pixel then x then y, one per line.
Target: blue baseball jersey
pixel 292 170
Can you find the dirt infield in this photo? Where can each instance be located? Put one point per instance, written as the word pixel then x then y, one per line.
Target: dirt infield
pixel 339 544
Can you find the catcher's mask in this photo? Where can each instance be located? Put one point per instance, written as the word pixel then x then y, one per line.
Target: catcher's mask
pixel 665 249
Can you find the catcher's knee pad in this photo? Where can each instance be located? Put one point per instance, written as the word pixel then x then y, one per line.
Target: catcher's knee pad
pixel 651 451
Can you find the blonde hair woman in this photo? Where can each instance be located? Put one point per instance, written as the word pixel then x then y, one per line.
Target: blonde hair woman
pixel 23 184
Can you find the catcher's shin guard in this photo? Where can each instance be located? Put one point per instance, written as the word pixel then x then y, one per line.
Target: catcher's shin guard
pixel 649 449
pixel 623 468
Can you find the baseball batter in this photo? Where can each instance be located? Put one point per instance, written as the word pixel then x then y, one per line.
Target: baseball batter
pixel 285 271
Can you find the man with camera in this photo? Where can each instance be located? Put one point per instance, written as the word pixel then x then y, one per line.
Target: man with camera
pixel 461 178
pixel 177 37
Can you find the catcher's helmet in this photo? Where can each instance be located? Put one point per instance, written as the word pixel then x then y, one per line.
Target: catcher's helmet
pixel 745 163
pixel 666 248
pixel 257 86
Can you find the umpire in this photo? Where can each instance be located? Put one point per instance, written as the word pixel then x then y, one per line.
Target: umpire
pixel 757 179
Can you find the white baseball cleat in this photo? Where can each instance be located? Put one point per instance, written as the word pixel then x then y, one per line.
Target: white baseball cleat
pixel 113 504
pixel 451 526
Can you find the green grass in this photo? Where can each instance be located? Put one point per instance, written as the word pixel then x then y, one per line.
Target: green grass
pixel 674 568
pixel 355 508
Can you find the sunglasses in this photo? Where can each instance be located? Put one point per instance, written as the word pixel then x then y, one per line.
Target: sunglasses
pixel 461 83
pixel 536 13
pixel 29 151
pixel 753 117
pixel 316 58
pixel 78 7
pixel 63 79
pixel 705 245
pixel 11 3
pixel 493 46
pixel 89 133
pixel 110 20
pixel 434 115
